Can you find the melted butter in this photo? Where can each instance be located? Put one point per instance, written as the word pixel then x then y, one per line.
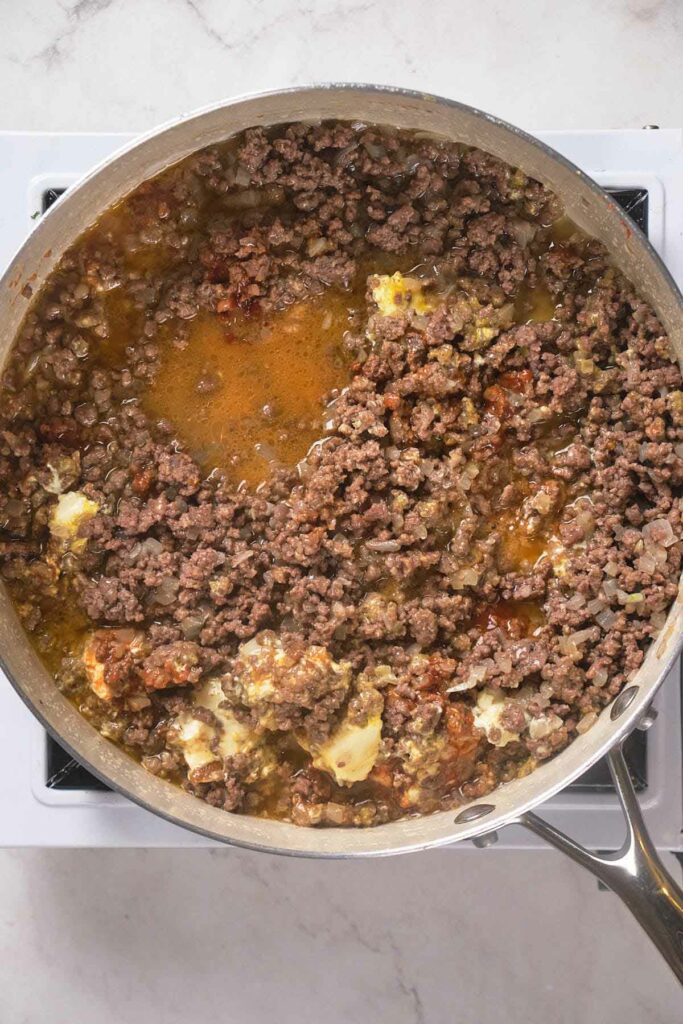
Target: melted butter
pixel 562 230
pixel 518 381
pixel 124 325
pixel 537 305
pixel 149 259
pixel 391 590
pixel 515 617
pixel 62 631
pixel 247 394
pixel 517 550
pixel 121 226
pixel 534 305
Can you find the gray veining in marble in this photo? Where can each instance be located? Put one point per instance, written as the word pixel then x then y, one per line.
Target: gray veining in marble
pixel 128 64
pixel 468 937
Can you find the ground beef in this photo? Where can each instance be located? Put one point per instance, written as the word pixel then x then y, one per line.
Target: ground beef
pixel 455 581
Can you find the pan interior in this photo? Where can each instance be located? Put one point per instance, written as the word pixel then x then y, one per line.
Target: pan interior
pixel 583 201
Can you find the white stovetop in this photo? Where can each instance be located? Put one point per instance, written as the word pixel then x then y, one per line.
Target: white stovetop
pixel 31 814
pixel 142 935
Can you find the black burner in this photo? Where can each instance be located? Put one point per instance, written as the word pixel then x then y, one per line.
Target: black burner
pixel 50 196
pixel 634 201
pixel 65 773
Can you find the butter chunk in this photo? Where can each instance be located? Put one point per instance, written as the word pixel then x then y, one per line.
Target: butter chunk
pixel 397 294
pixel 275 682
pixel 71 510
pixel 116 641
pixel 197 739
pixel 487 714
pixel 351 751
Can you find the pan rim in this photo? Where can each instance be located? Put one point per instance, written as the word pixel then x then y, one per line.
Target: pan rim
pixel 617 731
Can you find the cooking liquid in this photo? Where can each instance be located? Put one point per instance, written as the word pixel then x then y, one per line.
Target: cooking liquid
pixel 536 304
pixel 247 394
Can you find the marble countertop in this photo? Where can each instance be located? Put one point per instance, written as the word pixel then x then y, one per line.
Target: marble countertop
pixel 467 937
pixel 124 65
pixel 472 937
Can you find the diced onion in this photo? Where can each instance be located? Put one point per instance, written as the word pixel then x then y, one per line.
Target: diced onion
pixel 586 723
pixel 646 563
pixel 659 532
pixel 375 151
pixel 580 636
pixel 191 625
pixel 600 677
pixel 151 546
pixel 242 176
pixel 539 414
pixel 521 230
pixel 606 619
pixel 468 475
pixel 167 591
pixel 383 546
pixel 541 727
pixel 659 554
pixel 476 674
pixel 465 578
pixel 317 246
pixel 335 814
pixel 658 620
pixel 569 648
pixel 252 647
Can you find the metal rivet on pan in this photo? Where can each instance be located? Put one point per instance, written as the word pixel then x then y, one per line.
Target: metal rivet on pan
pixel 623 701
pixel 648 718
pixel 472 813
pixel 488 839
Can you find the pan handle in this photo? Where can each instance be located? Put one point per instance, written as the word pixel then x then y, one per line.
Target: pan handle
pixel 635 872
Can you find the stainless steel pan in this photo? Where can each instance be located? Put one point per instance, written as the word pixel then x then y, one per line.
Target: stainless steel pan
pixel 635 872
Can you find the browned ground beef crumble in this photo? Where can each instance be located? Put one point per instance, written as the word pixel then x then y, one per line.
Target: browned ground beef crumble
pixel 456 581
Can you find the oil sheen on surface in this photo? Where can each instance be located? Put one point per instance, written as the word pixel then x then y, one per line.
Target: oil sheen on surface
pixel 247 394
pixel 535 305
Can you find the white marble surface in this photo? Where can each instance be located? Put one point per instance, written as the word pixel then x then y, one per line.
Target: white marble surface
pixel 459 936
pixel 128 64
pixel 441 938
